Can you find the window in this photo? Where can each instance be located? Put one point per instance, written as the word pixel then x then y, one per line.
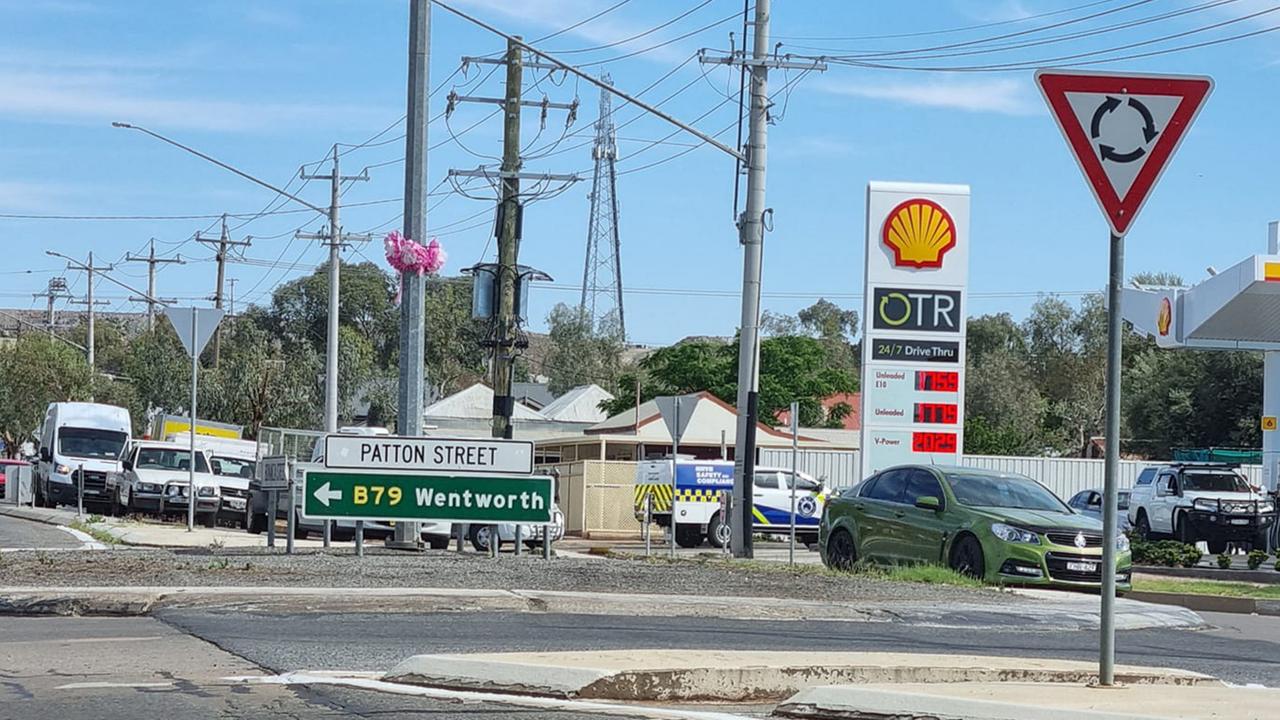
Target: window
pixel 890 487
pixel 1095 500
pixel 1146 476
pixel 1167 485
pixel 767 480
pixel 1214 482
pixel 922 483
pixel 804 485
pixel 1079 501
pixel 1003 491
pixel 867 486
pixel 154 458
pixel 235 467
pixel 91 443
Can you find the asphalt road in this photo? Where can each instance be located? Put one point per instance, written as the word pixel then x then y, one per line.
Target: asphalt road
pixel 1239 649
pixel 24 534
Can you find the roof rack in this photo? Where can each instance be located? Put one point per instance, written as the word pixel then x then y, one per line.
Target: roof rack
pixel 1203 464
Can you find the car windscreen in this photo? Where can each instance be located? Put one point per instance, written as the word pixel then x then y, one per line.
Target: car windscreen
pixel 237 467
pixel 168 459
pixel 1213 482
pixel 1003 491
pixel 91 442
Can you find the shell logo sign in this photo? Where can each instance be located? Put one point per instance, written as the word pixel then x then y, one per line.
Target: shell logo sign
pixel 1164 320
pixel 919 232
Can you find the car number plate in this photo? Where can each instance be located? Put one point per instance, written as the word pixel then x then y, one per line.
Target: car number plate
pixel 1086 567
pixel 1239 521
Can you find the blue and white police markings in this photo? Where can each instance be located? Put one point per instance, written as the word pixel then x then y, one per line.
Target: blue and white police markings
pixel 807 505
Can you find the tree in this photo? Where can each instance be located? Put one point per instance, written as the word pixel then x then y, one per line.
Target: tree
pixel 581 354
pixel 835 328
pixel 1004 411
pixel 35 371
pixel 455 355
pixel 300 308
pixel 1066 351
pixel 992 333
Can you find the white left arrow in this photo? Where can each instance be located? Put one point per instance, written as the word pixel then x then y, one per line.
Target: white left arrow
pixel 326 496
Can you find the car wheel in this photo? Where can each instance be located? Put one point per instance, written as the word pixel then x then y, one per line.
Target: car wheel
pixel 718 532
pixel 966 557
pixel 299 532
pixel 1217 547
pixel 438 543
pixel 479 535
pixel 1182 531
pixel 1143 528
pixel 210 520
pixel 1260 541
pixel 256 523
pixel 841 554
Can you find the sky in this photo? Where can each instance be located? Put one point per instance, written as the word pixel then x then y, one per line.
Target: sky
pixel 270 86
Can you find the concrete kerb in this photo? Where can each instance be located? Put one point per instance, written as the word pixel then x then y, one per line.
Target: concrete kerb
pixel 732 676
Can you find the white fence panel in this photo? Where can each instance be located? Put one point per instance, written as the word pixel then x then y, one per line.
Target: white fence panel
pixel 1064 476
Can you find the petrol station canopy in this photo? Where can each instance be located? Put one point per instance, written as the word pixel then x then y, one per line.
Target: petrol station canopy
pixel 1236 309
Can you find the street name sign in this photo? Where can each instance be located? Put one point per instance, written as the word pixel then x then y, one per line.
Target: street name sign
pixel 404 496
pixel 1122 128
pixel 429 455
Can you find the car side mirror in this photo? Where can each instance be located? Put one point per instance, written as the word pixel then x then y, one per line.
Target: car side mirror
pixel 45 455
pixel 126 464
pixel 929 502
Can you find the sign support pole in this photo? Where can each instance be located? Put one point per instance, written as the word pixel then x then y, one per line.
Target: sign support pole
pixel 1107 641
pixel 191 469
pixel 273 502
pixel 675 468
pixel 795 456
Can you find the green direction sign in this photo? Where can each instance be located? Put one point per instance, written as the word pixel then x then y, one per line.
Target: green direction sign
pixel 350 495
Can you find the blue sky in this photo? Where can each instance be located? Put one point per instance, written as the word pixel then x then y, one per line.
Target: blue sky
pixel 269 86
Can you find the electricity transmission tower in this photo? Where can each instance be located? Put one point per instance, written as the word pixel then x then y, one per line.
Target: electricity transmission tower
pixel 57 290
pixel 602 271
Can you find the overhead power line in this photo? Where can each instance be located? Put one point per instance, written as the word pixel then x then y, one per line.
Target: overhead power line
pixel 947 31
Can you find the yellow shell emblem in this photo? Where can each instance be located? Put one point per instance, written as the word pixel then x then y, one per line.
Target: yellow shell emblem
pixel 1164 319
pixel 919 232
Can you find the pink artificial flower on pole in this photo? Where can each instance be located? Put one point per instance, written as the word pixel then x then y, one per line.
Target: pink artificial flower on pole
pixel 408 256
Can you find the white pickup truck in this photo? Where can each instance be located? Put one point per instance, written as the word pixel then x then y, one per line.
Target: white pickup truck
pixel 1191 502
pixel 156 476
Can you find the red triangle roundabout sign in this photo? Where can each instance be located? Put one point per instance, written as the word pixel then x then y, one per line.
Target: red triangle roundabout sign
pixel 1123 128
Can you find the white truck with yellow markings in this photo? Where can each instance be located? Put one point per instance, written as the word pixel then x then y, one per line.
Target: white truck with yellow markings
pixel 699 492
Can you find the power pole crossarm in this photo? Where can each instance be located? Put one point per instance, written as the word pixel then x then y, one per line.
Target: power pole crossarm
pixel 221 243
pixel 152 261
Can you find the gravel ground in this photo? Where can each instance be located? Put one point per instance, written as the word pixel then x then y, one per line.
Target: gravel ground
pixel 381 568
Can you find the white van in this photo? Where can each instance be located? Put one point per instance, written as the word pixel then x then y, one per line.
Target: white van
pixel 700 485
pixel 81 442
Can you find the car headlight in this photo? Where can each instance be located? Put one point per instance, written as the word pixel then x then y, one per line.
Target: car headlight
pixel 1012 534
pixel 208 491
pixel 1205 504
pixel 172 490
pixel 1122 543
pixel 1266 506
pixel 148 487
pixel 62 469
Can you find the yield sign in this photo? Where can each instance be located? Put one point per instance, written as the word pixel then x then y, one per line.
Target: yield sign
pixel 194 326
pixel 1123 129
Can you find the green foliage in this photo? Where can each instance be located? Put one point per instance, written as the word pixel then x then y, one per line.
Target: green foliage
pixel 36 370
pixel 1256 558
pixel 1167 553
pixel 580 353
pixel 455 356
pixel 1224 561
pixel 1278 565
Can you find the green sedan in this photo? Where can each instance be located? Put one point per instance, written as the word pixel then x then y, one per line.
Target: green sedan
pixel 1000 527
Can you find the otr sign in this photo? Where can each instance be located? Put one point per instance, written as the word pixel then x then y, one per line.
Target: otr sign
pixel 916 309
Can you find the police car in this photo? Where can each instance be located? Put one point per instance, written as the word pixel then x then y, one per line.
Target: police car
pixel 701 488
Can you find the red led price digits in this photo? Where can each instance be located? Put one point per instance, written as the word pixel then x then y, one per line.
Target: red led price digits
pixel 937 413
pixel 928 442
pixel 937 381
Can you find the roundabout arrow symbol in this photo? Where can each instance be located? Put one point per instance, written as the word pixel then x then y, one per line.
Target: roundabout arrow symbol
pixel 1149 131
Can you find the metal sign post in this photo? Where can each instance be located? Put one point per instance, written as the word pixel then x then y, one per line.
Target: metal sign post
pixel 648 523
pixel 273 502
pixel 675 470
pixel 194 326
pixel 795 453
pixel 1122 163
pixel 191 464
pixel 80 493
pixel 291 526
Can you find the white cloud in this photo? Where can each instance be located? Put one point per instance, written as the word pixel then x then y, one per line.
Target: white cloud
pixel 1003 96
pixel 80 97
pixel 31 197
pixel 556 14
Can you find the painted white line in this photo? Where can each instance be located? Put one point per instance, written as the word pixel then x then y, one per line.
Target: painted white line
pixel 465 696
pixel 77 641
pixel 108 685
pixel 86 541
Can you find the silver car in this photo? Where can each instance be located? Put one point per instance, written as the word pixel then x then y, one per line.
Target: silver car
pixel 1089 502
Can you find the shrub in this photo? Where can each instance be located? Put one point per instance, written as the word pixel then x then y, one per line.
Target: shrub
pixel 1277 565
pixel 1168 553
pixel 1224 561
pixel 1256 558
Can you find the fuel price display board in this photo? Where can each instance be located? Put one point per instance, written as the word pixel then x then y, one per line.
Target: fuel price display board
pixel 917 257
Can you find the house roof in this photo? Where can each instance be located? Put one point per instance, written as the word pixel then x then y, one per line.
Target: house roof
pixel 581 404
pixel 710 416
pixel 852 421
pixel 475 402
pixel 534 395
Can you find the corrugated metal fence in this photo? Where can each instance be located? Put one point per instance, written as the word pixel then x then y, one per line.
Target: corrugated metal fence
pixel 1065 476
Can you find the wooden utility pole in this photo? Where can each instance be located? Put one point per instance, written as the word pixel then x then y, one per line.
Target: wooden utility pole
pixel 220 244
pixel 151 260
pixel 508 245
